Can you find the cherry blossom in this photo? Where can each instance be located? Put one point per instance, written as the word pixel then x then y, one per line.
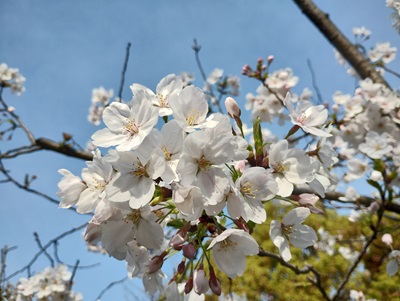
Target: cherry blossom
pixel 230 249
pixel 127 126
pixel 307 116
pixel 292 230
pixel 168 86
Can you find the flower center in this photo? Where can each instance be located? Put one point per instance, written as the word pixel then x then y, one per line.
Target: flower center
pixel 192 117
pixel 247 190
pixel 139 170
pixel 280 167
pixel 166 153
pixel 134 217
pixel 162 100
pixel 226 244
pixel 204 164
pixel 131 127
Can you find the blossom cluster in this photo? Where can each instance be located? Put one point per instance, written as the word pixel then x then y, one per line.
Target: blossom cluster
pixel 193 174
pixel 100 99
pixel 11 78
pixel 51 284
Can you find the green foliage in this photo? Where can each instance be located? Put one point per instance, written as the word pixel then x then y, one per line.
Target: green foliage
pixel 267 276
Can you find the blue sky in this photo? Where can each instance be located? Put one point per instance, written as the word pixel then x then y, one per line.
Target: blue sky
pixel 67 48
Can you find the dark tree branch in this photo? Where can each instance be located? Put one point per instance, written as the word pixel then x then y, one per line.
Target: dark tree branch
pixel 362 200
pixel 121 86
pixel 349 51
pixel 304 270
pixel 63 148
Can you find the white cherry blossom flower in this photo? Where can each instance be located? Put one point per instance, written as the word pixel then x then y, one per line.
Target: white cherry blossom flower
pixel 394 262
pixel 71 187
pixel 387 239
pixel 127 126
pixel 190 109
pixel 201 163
pixel 168 86
pixel 290 166
pixel 251 188
pixel 126 225
pixel 96 177
pixel 307 116
pixel 135 180
pixel 170 141
pixel 292 230
pixel 230 249
pixel 383 52
pixel 215 76
pixel 376 146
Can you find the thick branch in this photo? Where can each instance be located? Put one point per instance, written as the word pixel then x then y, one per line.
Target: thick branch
pixel 339 41
pixel 62 148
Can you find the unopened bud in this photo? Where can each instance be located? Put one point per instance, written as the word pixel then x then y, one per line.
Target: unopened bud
pixel 177 240
pixel 156 263
pixel 387 239
pixel 232 107
pixel 200 282
pixel 181 267
pixel 189 251
pixel 214 283
pixel 189 285
pixel 67 136
pixel 11 109
pixel 240 165
pixel 270 59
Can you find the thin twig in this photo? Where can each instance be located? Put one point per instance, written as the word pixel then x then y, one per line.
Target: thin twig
pixel 36 256
pixel 314 82
pixel 360 255
pixel 196 48
pixel 81 267
pixel 390 71
pixel 4 253
pixel 20 151
pixel 110 286
pixel 121 86
pixel 28 189
pixel 19 121
pixel 304 270
pixel 71 280
pixel 41 248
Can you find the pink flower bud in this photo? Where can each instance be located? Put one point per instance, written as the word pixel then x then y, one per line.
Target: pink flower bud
pixel 189 285
pixel 214 283
pixel 177 240
pixel 270 59
pixel 387 239
pixel 156 263
pixel 181 267
pixel 240 165
pixel 232 107
pixel 189 251
pixel 200 282
pixel 11 109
